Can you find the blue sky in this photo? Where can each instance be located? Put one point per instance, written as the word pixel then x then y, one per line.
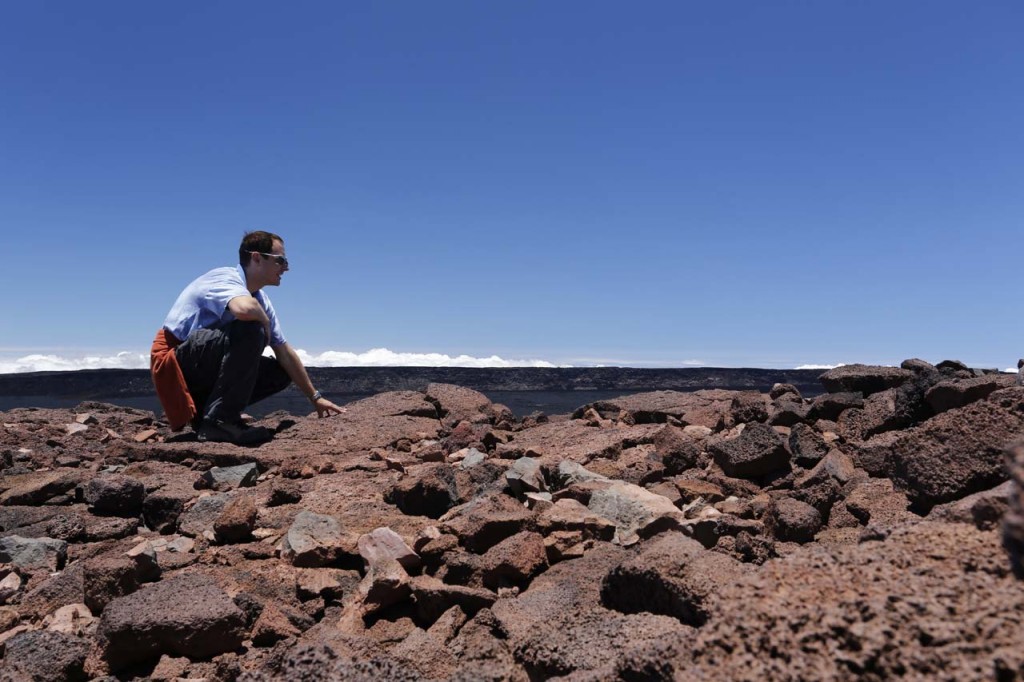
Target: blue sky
pixel 653 184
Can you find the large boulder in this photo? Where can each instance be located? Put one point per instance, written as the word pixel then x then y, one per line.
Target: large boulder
pixel 910 606
pixel 672 575
pixel 188 615
pixel 953 454
pixel 950 394
pixel 864 379
pixel 458 403
pixel 756 452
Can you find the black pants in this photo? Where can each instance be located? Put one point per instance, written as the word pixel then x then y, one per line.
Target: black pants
pixel 226 371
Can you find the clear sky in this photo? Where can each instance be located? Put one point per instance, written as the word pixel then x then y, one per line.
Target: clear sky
pixel 740 183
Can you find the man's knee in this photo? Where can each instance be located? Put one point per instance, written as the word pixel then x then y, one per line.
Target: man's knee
pixel 244 332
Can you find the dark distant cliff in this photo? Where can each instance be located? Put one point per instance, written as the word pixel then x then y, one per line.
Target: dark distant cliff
pixel 124 383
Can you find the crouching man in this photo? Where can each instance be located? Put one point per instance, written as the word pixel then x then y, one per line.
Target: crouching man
pixel 207 360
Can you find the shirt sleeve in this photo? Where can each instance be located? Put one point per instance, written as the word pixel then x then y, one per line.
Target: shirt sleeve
pixel 220 290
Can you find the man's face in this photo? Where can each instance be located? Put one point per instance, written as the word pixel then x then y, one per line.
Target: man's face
pixel 269 269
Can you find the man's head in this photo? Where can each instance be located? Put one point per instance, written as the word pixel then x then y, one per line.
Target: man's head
pixel 262 256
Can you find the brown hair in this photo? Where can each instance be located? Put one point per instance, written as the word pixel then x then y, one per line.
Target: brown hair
pixel 258 241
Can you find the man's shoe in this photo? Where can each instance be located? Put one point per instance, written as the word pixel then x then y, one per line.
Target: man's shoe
pixel 216 431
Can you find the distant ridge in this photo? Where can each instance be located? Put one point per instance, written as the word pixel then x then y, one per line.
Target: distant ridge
pixel 126 383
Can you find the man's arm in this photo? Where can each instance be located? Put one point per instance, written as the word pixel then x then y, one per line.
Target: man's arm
pixel 291 364
pixel 248 309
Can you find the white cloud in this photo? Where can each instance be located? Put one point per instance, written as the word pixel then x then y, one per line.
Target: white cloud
pixel 376 357
pixel 49 363
pixel 382 357
pixel 820 366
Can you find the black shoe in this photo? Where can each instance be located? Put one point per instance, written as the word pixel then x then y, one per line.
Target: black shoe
pixel 216 431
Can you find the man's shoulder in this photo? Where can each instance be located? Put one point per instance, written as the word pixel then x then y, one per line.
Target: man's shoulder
pixel 225 275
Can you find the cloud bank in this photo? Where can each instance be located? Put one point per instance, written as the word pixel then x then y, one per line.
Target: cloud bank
pixel 820 366
pixel 375 357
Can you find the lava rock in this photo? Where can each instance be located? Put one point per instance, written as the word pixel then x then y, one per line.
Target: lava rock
pixel 115 495
pixel 188 615
pixel 45 655
pixel 756 452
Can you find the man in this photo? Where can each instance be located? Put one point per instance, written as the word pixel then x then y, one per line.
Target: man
pixel 207 360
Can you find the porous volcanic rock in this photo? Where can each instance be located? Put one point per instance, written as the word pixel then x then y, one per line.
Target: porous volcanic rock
pixel 864 379
pixel 758 451
pixel 44 655
pixel 672 575
pixel 954 454
pixel 1013 529
pixel 505 582
pixel 877 610
pixel 188 615
pixel 116 495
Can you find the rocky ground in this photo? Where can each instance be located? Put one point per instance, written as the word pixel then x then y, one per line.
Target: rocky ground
pixel 876 531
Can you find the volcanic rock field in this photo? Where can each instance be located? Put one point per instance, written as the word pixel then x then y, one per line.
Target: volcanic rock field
pixel 873 532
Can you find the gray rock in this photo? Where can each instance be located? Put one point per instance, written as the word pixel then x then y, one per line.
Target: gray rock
pixel 202 515
pixel 229 478
pixel 33 554
pixel 525 476
pixel 636 512
pixel 570 472
pixel 316 540
pixel 188 615
pixel 473 457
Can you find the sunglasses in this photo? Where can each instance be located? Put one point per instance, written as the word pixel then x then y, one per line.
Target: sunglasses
pixel 280 260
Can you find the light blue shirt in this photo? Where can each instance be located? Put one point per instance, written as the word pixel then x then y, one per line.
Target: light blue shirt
pixel 204 304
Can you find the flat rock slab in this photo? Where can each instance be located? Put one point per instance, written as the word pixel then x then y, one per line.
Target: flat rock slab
pixel 188 615
pixel 33 554
pixel 229 478
pixel 36 488
pixel 574 440
pixel 864 379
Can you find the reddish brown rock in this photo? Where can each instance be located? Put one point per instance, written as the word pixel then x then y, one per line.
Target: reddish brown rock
pixel 954 454
pixel 947 395
pixel 1013 525
pixel 758 451
pixel 671 575
pixel 236 522
pixel 864 379
pixel 185 616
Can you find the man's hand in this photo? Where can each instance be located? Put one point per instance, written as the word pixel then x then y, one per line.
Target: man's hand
pixel 325 408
